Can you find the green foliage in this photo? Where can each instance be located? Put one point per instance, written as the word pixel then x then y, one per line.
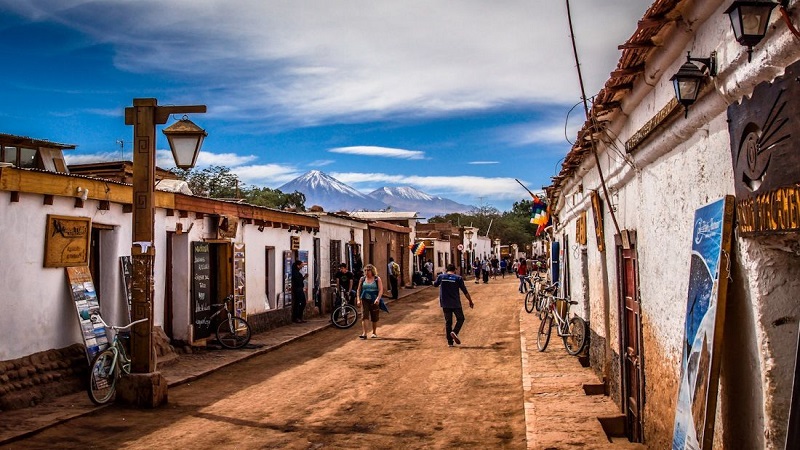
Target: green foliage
pixel 219 182
pixel 512 227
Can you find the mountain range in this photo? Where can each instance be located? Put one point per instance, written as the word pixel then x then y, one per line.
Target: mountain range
pixel 333 195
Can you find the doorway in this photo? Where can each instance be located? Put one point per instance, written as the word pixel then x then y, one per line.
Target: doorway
pixel 632 363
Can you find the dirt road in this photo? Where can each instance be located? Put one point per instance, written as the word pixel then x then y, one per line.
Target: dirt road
pixel 407 389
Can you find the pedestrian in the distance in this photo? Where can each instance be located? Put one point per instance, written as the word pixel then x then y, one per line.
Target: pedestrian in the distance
pixel 450 286
pixel 522 272
pixel 368 296
pixel 476 267
pixel 298 294
pixel 394 276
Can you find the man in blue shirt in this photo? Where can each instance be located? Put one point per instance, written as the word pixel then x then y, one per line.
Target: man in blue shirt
pixel 449 285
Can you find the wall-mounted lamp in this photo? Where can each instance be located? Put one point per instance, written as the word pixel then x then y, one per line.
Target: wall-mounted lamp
pixel 749 20
pixel 690 78
pixel 83 193
pixel 261 228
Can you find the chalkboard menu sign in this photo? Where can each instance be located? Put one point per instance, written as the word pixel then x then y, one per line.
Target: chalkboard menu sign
pixel 201 290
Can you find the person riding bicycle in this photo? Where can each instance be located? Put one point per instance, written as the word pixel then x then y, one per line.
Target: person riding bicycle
pixel 345 279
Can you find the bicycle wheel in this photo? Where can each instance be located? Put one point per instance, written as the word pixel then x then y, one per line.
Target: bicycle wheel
pixel 576 339
pixel 545 328
pixel 530 301
pixel 344 316
pixel 102 377
pixel 233 333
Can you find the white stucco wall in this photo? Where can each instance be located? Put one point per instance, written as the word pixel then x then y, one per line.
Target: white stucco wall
pixel 39 313
pixel 682 166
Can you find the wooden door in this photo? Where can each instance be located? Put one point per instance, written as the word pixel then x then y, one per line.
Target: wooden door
pixel 630 337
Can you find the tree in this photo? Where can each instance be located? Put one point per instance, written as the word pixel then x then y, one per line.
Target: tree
pixel 220 182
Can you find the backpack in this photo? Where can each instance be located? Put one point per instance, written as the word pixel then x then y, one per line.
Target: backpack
pixel 395 269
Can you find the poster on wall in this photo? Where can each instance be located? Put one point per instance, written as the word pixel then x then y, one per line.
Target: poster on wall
pixel 287 279
pixel 705 314
pixel 126 266
pixel 239 281
pixel 83 294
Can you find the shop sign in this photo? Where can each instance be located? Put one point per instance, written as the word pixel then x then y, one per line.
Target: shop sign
pixel 597 212
pixel 295 243
pixel 765 134
pixel 651 125
pixel 66 241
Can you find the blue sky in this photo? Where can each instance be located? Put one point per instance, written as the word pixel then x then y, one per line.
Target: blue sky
pixel 456 98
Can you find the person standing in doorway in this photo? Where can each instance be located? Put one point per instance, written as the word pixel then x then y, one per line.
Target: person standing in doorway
pixel 394 276
pixel 298 293
pixel 368 297
pixel 450 286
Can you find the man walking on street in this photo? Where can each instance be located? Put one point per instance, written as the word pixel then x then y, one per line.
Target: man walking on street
pixel 394 275
pixel 449 285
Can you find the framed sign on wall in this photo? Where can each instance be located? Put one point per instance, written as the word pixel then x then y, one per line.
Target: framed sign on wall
pixel 66 241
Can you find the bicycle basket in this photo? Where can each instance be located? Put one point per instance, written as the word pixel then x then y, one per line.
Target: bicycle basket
pixel 561 307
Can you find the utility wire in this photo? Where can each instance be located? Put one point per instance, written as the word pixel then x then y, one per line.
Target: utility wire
pixel 591 118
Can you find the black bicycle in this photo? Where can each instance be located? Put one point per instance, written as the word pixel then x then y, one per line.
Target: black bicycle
pixel 232 332
pixel 344 315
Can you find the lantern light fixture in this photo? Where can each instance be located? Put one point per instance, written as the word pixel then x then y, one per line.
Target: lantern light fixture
pixel 690 78
pixel 749 20
pixel 185 139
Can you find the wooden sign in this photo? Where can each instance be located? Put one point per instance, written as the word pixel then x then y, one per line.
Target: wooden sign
pixel 597 212
pixel 66 241
pixel 765 135
pixel 580 229
pixel 295 243
pixel 226 227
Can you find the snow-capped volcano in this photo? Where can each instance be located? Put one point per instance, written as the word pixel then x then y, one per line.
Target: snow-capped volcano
pixel 406 198
pixel 333 195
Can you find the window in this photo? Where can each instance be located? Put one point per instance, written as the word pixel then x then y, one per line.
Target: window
pixel 27 158
pixel 19 156
pixel 10 155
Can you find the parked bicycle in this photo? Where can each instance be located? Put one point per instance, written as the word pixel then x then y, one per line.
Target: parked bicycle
pixel 232 332
pixel 534 293
pixel 344 315
pixel 108 365
pixel 572 331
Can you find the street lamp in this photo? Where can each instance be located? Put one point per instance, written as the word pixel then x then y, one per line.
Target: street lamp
pixel 147 387
pixel 468 234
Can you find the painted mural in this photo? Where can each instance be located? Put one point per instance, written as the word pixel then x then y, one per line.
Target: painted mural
pixel 705 312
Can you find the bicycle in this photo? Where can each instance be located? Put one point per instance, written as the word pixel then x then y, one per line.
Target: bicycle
pixel 572 331
pixel 533 295
pixel 108 365
pixel 232 332
pixel 545 291
pixel 344 315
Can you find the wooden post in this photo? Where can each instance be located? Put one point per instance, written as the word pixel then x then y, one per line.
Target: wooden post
pixel 144 115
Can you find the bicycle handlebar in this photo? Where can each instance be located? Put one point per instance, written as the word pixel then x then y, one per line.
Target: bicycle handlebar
pixel 96 318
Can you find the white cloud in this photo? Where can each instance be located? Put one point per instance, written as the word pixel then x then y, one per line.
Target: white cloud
pixel 88 158
pixel 380 151
pixel 271 175
pixel 500 188
pixel 353 60
pixel 321 162
pixel 482 163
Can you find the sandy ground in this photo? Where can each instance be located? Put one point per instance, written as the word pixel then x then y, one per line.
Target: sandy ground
pixel 407 389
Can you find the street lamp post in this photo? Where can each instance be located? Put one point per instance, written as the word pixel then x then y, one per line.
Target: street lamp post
pixel 145 387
